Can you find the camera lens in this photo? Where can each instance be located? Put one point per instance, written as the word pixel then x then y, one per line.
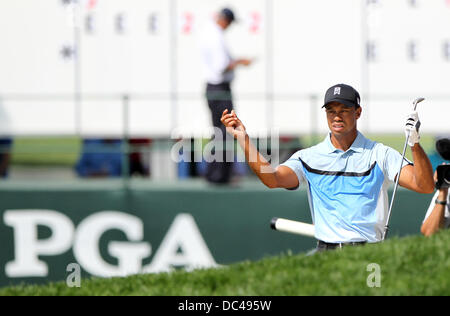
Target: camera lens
pixel 447 176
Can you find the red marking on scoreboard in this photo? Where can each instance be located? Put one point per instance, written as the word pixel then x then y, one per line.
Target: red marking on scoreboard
pixel 91 4
pixel 255 22
pixel 188 21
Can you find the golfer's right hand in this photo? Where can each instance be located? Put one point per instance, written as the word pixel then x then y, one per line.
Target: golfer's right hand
pixel 233 125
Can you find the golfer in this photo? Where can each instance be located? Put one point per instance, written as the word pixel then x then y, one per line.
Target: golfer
pixel 347 175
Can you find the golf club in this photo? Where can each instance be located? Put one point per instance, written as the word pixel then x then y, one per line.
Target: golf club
pixel 386 227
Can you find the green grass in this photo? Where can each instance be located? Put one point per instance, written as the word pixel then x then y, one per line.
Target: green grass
pixel 58 151
pixel 409 266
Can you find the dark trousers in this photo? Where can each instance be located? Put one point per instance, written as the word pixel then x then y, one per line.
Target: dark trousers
pixel 219 98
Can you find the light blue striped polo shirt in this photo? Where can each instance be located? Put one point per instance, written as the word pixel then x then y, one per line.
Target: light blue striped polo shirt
pixel 347 191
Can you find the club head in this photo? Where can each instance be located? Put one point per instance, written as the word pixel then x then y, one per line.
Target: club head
pixel 417 101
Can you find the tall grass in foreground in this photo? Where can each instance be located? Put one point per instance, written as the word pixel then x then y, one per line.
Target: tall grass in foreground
pixel 408 266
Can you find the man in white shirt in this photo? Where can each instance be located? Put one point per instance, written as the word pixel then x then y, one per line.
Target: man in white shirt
pixel 219 68
pixel 438 214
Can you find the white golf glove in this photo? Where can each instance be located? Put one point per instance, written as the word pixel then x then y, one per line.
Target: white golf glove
pixel 412 127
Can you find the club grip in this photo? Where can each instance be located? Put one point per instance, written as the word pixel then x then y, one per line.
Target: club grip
pixel 292 227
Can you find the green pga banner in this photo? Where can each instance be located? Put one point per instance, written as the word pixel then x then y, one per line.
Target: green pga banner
pixel 108 230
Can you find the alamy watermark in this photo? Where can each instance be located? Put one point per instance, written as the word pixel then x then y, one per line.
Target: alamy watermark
pixel 74 278
pixel 374 278
pixel 222 148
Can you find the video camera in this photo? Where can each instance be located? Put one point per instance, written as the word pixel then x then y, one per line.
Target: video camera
pixel 443 171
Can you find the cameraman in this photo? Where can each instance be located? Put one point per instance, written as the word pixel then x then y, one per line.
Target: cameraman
pixel 438 214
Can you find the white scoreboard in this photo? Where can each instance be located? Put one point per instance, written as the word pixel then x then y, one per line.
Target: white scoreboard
pixel 66 65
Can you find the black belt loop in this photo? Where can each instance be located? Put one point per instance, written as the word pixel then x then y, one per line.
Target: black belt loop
pixel 326 245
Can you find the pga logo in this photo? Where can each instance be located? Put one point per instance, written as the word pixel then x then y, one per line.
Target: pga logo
pixel 85 239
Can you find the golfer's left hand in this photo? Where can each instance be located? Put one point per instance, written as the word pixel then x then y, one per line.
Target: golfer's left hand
pixel 412 127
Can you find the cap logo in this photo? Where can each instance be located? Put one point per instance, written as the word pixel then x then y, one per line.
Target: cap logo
pixel 337 90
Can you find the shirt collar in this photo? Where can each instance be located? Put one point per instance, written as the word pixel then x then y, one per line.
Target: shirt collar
pixel 357 146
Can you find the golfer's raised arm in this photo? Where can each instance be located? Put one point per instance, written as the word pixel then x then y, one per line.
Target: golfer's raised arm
pixel 419 177
pixel 280 177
